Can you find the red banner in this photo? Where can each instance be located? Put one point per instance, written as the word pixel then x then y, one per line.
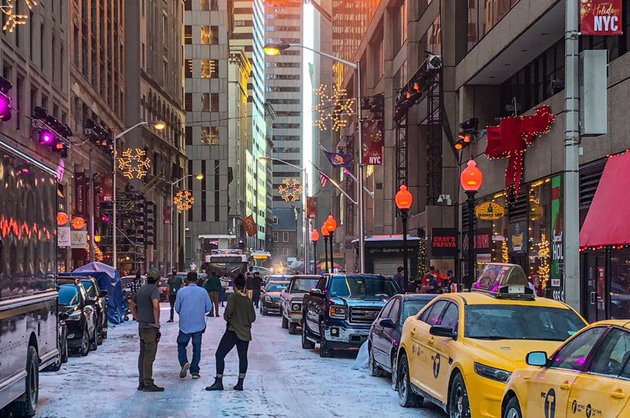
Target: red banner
pixel 107 188
pixel 373 142
pixel 311 207
pixel 168 214
pixel 80 194
pixel 600 17
pixel 250 226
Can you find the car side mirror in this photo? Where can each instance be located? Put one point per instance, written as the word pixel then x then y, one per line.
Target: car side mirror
pixel 63 316
pixel 387 323
pixel 443 331
pixel 537 358
pixel 316 292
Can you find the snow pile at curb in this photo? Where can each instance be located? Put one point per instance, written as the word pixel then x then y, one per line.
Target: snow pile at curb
pixel 362 361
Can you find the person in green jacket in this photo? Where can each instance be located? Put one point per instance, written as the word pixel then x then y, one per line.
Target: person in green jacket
pixel 239 314
pixel 174 284
pixel 213 286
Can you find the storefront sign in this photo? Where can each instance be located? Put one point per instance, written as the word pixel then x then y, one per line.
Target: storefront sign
pixel 483 241
pixel 373 142
pixel 489 211
pixel 557 251
pixel 63 236
pixel 78 239
pixel 444 242
pixel 601 17
pixel 517 237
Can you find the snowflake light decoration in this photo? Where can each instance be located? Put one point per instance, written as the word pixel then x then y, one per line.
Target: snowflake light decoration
pixel 134 163
pixel 290 190
pixel 334 108
pixel 11 18
pixel 184 200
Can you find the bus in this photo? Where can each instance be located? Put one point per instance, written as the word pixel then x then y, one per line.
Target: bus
pixel 28 294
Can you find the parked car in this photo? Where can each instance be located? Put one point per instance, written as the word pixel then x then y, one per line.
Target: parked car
pixel 81 320
pixel 339 311
pixel 291 300
pixel 588 375
pixel 62 344
pixel 461 349
pixel 270 297
pixel 99 297
pixel 386 331
pixel 278 278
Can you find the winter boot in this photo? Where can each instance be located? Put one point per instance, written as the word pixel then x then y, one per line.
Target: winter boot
pixel 217 385
pixel 239 385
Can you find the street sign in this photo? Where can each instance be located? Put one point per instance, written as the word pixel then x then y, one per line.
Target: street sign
pixel 63 236
pixel 489 211
pixel 78 239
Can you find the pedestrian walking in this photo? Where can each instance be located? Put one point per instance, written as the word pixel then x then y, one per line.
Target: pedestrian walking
pixel 213 287
pixel 257 282
pixel 239 315
pixel 145 308
pixel 174 284
pixel 192 304
pixel 249 285
pixel 399 278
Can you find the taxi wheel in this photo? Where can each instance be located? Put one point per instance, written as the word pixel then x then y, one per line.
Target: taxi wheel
pixel 458 405
pixel 406 398
pixel 512 409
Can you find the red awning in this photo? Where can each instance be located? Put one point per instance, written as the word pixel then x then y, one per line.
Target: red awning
pixel 607 222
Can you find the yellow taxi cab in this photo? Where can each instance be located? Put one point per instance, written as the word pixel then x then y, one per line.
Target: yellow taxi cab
pixel 588 376
pixel 461 349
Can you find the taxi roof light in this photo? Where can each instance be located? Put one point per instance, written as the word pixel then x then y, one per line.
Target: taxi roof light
pixel 504 281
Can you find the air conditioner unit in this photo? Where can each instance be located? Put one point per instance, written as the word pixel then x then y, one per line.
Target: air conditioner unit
pixel 434 62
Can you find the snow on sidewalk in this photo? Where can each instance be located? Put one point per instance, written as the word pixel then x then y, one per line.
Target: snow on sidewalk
pixel 283 381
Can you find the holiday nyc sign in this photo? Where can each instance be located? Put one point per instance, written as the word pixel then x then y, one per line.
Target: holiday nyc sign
pixel 600 17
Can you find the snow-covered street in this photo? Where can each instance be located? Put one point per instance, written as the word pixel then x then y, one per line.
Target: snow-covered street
pixel 283 381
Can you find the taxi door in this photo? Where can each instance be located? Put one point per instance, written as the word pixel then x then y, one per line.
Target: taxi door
pixel 549 388
pixel 443 350
pixel 604 389
pixel 427 358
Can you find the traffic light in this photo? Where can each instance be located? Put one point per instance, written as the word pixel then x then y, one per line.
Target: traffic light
pixel 139 218
pixel 468 133
pixel 150 223
pixel 5 99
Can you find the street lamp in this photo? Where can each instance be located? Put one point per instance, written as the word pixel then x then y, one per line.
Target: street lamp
pixel 158 125
pixel 173 184
pixel 304 204
pixel 471 180
pixel 404 199
pixel 326 235
pixel 314 239
pixel 331 227
pixel 277 48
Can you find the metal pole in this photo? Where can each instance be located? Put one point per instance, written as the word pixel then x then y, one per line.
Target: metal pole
pixel 360 182
pixel 91 209
pixel 326 253
pixel 572 165
pixel 305 221
pixel 314 257
pixel 471 239
pixel 114 225
pixel 403 217
pixel 332 254
pixel 170 204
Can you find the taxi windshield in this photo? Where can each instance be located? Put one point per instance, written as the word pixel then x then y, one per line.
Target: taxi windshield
pixel 520 322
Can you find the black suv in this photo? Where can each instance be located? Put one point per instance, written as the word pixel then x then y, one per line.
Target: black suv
pixel 81 317
pixel 100 303
pixel 339 312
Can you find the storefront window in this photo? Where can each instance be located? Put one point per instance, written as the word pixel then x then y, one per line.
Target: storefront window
pixel 539 235
pixel 620 284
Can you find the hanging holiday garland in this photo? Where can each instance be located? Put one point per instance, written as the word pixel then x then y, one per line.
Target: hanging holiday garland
pixel 422 258
pixel 184 200
pixel 134 163
pixel 333 108
pixel 290 190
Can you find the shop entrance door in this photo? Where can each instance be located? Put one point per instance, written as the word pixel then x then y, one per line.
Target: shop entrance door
pixel 595 273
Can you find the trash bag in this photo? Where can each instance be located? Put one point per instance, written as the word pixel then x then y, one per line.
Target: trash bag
pixel 362 360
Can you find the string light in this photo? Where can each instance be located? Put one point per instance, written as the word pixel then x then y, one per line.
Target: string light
pixel 184 200
pixel 333 108
pixel 134 163
pixel 290 190
pixel 12 19
pixel 505 255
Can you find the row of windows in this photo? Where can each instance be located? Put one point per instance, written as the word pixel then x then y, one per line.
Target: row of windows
pixel 276 89
pixel 282 76
pixel 285 101
pixel 287 125
pixel 285 236
pixel 209 102
pixel 209 68
pixel 283 28
pixel 204 5
pixel 209 35
pixel 282 64
pixel 286 138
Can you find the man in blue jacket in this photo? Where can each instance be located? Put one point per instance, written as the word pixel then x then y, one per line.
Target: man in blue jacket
pixel 192 304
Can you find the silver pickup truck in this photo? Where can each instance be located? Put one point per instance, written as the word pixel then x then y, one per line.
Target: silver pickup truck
pixel 291 301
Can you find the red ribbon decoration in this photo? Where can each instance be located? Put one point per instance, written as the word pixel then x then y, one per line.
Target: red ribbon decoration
pixel 512 138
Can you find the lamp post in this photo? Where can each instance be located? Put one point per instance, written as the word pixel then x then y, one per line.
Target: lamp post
pixel 326 235
pixel 331 227
pixel 173 184
pixel 471 180
pixel 304 204
pixel 158 125
pixel 275 49
pixel 314 239
pixel 404 199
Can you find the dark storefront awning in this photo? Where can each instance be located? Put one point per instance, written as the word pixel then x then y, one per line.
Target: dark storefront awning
pixel 607 222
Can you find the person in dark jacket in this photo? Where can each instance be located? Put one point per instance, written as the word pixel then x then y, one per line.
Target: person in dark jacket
pixel 174 284
pixel 257 283
pixel 213 287
pixel 239 315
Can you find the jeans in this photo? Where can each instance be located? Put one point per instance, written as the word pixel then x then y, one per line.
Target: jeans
pixel 182 343
pixel 255 297
pixel 148 350
pixel 226 345
pixel 171 300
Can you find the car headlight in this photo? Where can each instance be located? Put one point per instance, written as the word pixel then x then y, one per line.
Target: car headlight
pixel 337 311
pixel 492 373
pixel 296 307
pixel 268 299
